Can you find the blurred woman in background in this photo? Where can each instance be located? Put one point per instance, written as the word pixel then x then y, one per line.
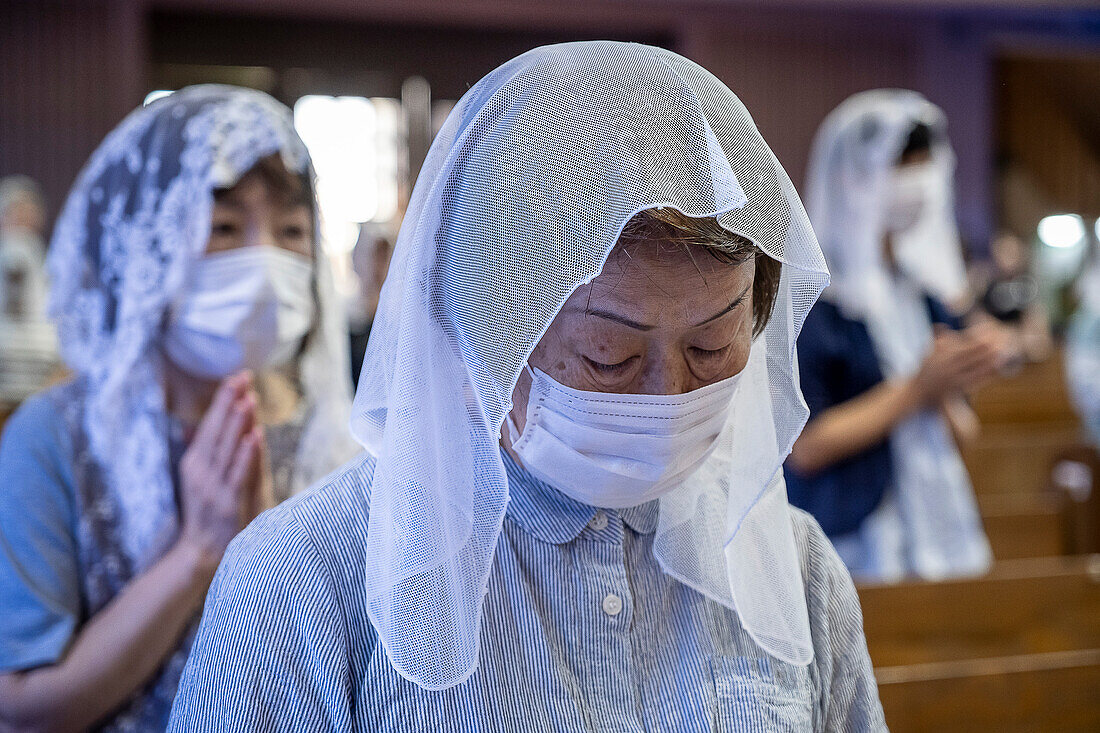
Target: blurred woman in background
pixel 194 307
pixel 370 259
pixel 883 364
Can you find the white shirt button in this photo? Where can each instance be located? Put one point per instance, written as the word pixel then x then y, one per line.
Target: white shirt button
pixel 612 604
pixel 598 522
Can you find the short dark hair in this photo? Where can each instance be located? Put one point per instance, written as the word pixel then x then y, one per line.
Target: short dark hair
pixel 918 141
pixel 670 225
pixel 288 188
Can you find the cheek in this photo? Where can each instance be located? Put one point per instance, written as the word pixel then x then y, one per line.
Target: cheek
pixel 561 353
pixel 552 356
pixel 737 356
pixel 742 343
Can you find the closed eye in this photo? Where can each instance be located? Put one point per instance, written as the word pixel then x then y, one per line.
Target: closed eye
pixel 709 353
pixel 225 229
pixel 610 368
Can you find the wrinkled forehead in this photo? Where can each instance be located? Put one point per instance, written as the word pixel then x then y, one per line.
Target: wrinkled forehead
pixel 662 284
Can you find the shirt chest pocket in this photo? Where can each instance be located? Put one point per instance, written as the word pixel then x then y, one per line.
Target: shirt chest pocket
pixel 761 695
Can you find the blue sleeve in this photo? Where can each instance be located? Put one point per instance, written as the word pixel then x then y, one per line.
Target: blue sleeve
pixel 270 652
pixel 39 567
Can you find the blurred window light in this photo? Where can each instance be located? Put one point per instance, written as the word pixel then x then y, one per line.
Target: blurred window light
pixel 1096 229
pixel 356 146
pixel 1061 230
pixel 155 95
pixel 354 143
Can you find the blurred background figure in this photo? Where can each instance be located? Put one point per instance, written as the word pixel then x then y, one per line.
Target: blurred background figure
pixel 370 260
pixel 1008 289
pixel 883 362
pixel 1083 348
pixel 209 354
pixel 22 251
pixel 28 343
pixel 909 198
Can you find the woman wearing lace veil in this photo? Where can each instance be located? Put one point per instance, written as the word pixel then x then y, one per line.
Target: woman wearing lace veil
pixel 884 364
pixel 195 310
pixel 576 401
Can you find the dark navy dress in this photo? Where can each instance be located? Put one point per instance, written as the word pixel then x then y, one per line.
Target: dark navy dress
pixel 836 363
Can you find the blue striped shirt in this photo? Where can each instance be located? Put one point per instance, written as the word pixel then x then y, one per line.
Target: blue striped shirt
pixel 581 631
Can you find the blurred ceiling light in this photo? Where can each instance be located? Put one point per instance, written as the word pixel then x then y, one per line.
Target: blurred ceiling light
pixel 154 96
pixel 1061 230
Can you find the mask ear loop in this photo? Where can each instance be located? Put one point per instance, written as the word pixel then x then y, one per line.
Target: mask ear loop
pixel 514 433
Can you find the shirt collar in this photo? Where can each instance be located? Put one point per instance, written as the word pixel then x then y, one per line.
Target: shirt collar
pixel 551 516
pixel 642 518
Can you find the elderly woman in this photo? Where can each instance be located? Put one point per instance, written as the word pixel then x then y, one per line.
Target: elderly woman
pixel 194 308
pixel 575 402
pixel 883 361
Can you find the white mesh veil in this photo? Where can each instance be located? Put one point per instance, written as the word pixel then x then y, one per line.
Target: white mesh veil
pixel 853 155
pixel 136 220
pixel 521 199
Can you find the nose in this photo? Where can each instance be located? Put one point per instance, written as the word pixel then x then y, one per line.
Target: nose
pixel 259 233
pixel 666 373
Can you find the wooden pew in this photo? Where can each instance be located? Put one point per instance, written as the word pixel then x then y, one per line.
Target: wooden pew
pixel 1016 458
pixel 1036 395
pixel 1054 691
pixel 1027 420
pixel 1022 607
pixel 1075 477
pixel 1025 525
pixel 1018 649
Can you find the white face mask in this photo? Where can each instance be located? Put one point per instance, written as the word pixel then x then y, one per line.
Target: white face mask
pixel 246 308
pixel 618 450
pixel 908 194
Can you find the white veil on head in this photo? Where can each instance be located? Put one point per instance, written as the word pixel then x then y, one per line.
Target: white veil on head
pixel 137 218
pixel 847 191
pixel 522 197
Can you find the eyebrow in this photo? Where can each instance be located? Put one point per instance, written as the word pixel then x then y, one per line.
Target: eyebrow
pixel 228 200
pixel 607 315
pixel 231 201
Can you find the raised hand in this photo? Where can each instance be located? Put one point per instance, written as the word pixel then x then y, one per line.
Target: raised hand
pixel 221 474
